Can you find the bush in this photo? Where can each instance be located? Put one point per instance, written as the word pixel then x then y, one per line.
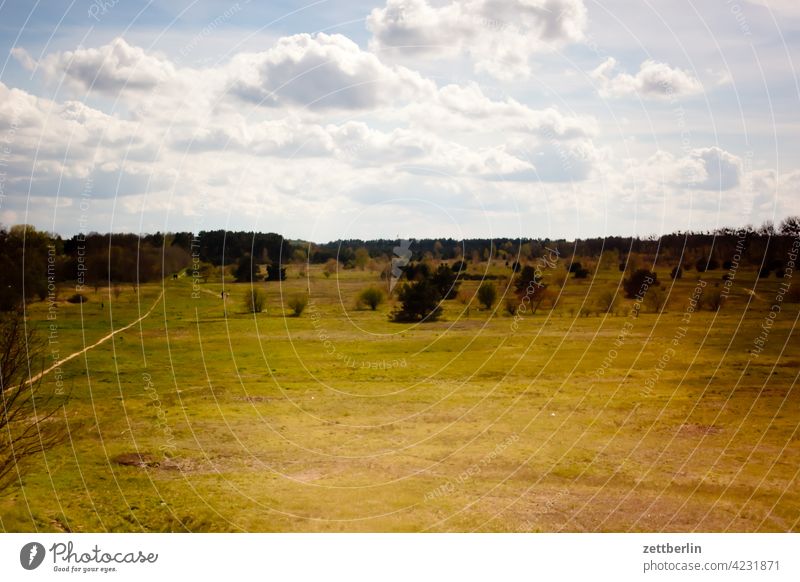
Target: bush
pixel 639 283
pixel 700 265
pixel 446 282
pixel 656 299
pixel 276 273
pixel 527 280
pixel 764 272
pixel 297 303
pixel 607 300
pixel 77 298
pixel 713 299
pixel 417 271
pixel 676 273
pixel 420 302
pixel 371 297
pixel 254 300
pixel 511 306
pixel 331 266
pixel 487 295
pixel 246 270
pixel 581 273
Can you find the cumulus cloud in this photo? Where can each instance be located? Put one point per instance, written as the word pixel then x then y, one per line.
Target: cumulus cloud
pixel 298 126
pixel 710 168
pixel 108 69
pixel 66 131
pixel 721 170
pixel 323 72
pixel 654 80
pixel 499 36
pixel 467 108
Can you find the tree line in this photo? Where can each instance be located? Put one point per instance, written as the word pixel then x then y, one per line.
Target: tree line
pixel 33 261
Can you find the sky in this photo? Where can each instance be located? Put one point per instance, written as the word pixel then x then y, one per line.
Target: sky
pixel 331 120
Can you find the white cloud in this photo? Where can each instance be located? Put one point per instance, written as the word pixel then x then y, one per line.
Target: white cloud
pixel 467 108
pixel 108 69
pixel 654 80
pixel 323 72
pixel 326 127
pixel 710 168
pixel 723 170
pixel 499 36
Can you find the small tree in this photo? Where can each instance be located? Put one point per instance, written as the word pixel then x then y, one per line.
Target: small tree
pixel 527 280
pixel 713 299
pixel 676 273
pixel 297 303
pixel 371 297
pixel 511 305
pixel 639 283
pixel 607 300
pixel 331 266
pixel 581 273
pixel 77 298
pixel 656 299
pixel 206 271
pixel 700 264
pixel 361 258
pixel 487 294
pixel 276 273
pixel 254 300
pixel 30 420
pixel 417 271
pixel 246 270
pixel 446 282
pixel 420 302
pixel 459 266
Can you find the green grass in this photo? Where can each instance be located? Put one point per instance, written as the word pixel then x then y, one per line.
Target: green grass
pixel 468 423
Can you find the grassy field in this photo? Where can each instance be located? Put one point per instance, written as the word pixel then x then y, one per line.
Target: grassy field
pixel 340 420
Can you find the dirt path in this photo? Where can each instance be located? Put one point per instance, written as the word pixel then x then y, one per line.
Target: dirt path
pixel 97 343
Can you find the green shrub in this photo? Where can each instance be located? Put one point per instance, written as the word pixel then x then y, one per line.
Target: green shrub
pixel 607 300
pixel 420 302
pixel 371 297
pixel 487 295
pixel 297 303
pixel 254 300
pixel 511 306
pixel 713 299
